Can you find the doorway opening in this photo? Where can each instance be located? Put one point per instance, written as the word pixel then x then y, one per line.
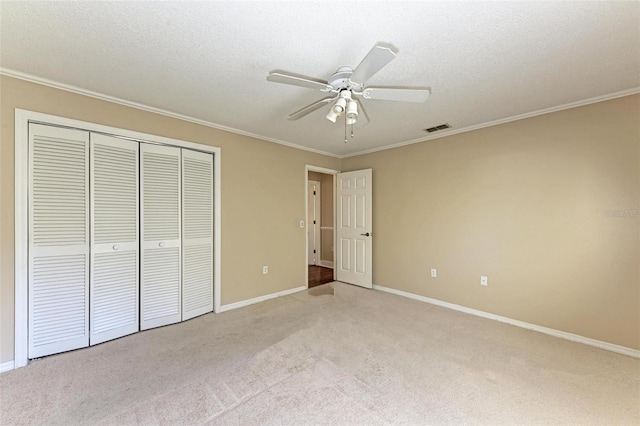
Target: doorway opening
pixel 320 247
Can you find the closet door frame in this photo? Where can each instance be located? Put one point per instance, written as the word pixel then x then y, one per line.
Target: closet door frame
pixel 21 261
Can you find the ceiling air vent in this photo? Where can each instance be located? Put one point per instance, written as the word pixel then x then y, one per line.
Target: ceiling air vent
pixel 436 128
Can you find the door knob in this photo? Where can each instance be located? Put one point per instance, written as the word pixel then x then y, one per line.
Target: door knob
pixel 160 244
pixel 116 247
pixel 368 234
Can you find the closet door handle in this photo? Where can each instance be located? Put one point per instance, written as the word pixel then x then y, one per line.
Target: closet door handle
pixel 160 244
pixel 116 247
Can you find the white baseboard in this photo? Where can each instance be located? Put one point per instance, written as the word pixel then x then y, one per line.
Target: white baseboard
pixel 6 366
pixel 248 302
pixel 326 264
pixel 550 331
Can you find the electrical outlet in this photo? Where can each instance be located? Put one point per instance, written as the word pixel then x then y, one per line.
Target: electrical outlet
pixel 484 280
pixel 434 273
pixel 302 224
pixel 265 270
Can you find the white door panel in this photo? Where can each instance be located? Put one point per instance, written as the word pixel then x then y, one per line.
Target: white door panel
pixel 114 236
pixel 58 240
pixel 160 284
pixel 197 238
pixel 114 295
pixel 160 287
pixel 354 228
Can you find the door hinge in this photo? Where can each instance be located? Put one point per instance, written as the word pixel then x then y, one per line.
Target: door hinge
pixel 314 252
pixel 314 192
pixel 314 222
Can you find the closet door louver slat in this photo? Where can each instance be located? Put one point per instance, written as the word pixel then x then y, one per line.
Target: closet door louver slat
pixel 114 237
pixel 58 240
pixel 160 286
pixel 197 228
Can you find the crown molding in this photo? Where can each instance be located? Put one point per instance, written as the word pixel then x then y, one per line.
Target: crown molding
pixel 69 88
pixel 74 89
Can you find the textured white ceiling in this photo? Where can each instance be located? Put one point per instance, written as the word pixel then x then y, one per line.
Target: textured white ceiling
pixel 484 61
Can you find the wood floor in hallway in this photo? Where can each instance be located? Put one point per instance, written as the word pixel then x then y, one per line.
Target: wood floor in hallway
pixel 319 275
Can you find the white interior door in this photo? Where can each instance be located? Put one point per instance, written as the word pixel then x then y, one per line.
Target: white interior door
pixel 160 287
pixel 354 228
pixel 58 240
pixel 197 229
pixel 313 222
pixel 114 238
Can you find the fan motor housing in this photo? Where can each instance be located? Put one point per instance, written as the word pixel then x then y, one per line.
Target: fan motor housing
pixel 340 79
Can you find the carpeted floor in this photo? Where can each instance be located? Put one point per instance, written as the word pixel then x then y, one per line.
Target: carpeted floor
pixel 335 354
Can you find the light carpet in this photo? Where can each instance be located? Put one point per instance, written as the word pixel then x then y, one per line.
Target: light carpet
pixel 352 357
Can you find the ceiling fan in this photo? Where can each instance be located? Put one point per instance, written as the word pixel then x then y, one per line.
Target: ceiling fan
pixel 347 84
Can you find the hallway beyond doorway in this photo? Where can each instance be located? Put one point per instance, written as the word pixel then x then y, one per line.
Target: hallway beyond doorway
pixel 319 275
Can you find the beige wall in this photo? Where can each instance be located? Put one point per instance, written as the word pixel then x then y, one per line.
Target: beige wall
pixel 524 203
pixel 254 173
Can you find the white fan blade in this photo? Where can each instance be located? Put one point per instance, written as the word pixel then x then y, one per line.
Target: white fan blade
pixel 293 80
pixel 363 117
pixel 310 108
pixel 375 60
pixel 401 95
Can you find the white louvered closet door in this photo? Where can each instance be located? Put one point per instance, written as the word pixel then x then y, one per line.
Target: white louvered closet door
pixel 160 287
pixel 58 240
pixel 114 238
pixel 197 233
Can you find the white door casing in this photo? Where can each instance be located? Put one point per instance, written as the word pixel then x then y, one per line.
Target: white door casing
pixel 197 233
pixel 313 222
pixel 114 238
pixel 354 228
pixel 58 297
pixel 160 283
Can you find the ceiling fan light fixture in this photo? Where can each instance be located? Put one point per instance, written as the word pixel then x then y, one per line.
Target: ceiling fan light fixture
pixel 352 110
pixel 339 106
pixel 332 116
pixel 351 121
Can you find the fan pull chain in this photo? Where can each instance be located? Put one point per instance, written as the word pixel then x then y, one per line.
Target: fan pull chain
pixel 345 129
